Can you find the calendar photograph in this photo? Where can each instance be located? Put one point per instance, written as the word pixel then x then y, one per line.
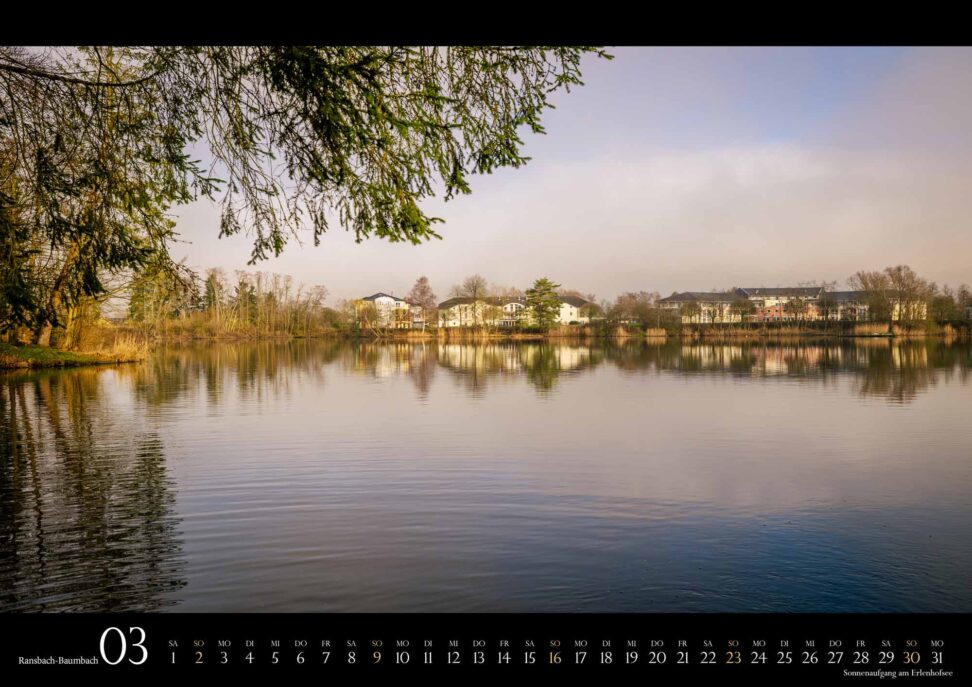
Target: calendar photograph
pixel 368 360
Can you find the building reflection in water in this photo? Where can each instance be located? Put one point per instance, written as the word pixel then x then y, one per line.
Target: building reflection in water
pixel 880 368
pixel 895 370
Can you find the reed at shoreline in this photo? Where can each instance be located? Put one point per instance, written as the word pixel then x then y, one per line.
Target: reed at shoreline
pixel 125 342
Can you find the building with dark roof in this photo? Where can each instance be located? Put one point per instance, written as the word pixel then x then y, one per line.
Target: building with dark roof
pixel 383 297
pixel 706 306
pixel 782 292
pixel 703 297
pixel 768 304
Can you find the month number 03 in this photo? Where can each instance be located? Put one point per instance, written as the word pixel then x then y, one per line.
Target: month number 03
pixel 139 645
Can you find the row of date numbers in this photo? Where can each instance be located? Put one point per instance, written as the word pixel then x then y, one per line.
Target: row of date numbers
pixel 605 657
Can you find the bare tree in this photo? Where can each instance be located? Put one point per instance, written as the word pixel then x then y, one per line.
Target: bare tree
pixel 877 293
pixel 423 296
pixel 911 293
pixel 476 288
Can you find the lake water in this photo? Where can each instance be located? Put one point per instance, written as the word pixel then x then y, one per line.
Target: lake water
pixel 331 476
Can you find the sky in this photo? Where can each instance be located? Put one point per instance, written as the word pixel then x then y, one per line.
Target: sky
pixel 690 169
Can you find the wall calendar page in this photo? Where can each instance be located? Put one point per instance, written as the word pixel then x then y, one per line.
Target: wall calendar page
pixel 337 358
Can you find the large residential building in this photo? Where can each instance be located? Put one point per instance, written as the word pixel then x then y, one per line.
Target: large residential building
pixel 392 312
pixel 467 312
pixel 505 311
pixel 782 304
pixel 704 306
pixel 515 311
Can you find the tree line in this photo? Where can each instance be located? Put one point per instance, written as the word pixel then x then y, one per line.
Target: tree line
pixel 898 293
pixel 216 304
pixel 248 304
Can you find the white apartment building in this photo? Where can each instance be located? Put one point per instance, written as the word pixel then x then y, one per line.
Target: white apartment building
pixel 507 312
pixel 393 312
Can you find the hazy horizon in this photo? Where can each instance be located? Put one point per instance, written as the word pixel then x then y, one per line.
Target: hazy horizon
pixel 691 169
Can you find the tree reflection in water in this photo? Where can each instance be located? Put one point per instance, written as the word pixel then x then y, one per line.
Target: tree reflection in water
pixel 897 371
pixel 86 505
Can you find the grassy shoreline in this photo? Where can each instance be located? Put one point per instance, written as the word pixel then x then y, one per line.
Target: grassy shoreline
pixel 20 357
pixel 130 348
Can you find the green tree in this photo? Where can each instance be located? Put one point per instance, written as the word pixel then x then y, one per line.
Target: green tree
pixel 542 299
pixel 542 366
pixel 16 295
pixel 214 295
pixel 214 289
pixel 245 301
pixel 92 164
